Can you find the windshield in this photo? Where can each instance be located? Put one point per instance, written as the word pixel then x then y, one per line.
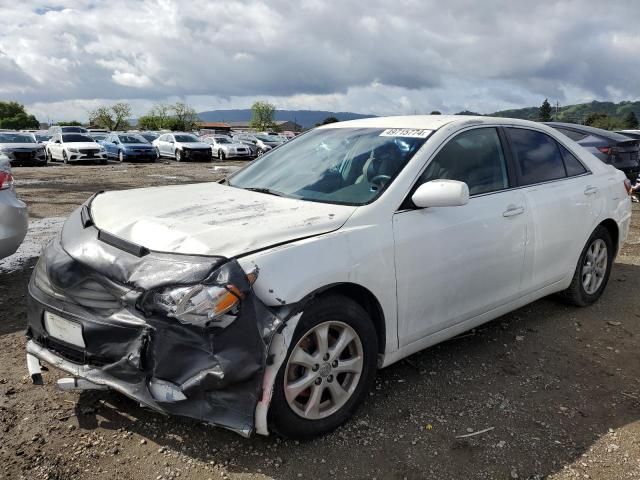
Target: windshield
pixel 76 137
pixel 132 139
pixel 74 129
pixel 98 136
pixel 43 138
pixel 350 166
pixel 150 137
pixel 186 138
pixel 16 138
pixel 222 140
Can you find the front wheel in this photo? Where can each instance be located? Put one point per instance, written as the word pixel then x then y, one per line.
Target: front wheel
pixel 592 272
pixel 221 155
pixel 329 369
pixel 121 156
pixel 178 156
pixel 65 159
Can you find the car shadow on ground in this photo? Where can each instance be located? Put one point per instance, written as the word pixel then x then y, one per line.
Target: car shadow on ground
pixel 547 380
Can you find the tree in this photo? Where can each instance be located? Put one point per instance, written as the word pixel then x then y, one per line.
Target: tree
pixel 329 120
pixel 185 118
pixel 262 116
pixel 544 113
pixel 115 117
pixel 157 118
pixel 630 121
pixel 435 112
pixel 14 116
pixel 70 123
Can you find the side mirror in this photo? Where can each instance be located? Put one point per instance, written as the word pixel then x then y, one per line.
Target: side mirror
pixel 115 142
pixel 441 193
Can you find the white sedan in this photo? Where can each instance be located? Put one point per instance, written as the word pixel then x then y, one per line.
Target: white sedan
pixel 75 147
pixel 269 301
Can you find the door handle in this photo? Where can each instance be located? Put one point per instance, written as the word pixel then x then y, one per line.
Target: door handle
pixel 590 190
pixel 512 211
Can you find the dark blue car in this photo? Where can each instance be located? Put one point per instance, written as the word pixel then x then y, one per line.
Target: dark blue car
pixel 130 147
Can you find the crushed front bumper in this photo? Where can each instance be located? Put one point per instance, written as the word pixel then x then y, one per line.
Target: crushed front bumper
pixel 212 374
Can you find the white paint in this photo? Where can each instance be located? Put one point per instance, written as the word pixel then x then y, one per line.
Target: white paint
pixel 211 219
pixel 441 193
pixel 279 348
pixel 40 232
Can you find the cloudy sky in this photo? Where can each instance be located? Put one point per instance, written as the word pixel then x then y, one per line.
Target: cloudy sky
pixel 62 58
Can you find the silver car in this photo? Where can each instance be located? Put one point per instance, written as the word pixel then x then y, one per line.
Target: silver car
pixel 22 149
pixel 13 212
pixel 224 147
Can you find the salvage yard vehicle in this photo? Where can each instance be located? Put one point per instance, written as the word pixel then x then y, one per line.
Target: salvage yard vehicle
pixel 13 212
pixel 621 151
pixel 257 145
pixel 224 147
pixel 22 149
pixel 66 129
pixel 130 147
pixel 75 147
pixel 182 146
pixel 266 302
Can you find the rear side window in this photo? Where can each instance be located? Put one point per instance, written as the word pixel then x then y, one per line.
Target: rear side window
pixel 573 135
pixel 537 156
pixel 571 163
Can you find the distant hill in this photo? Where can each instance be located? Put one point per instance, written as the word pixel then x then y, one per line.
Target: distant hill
pixel 575 113
pixel 305 118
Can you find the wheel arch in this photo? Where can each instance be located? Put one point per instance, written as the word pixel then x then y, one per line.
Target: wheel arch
pixel 612 227
pixel 363 297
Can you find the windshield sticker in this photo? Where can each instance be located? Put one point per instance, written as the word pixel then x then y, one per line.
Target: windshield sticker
pixel 406 132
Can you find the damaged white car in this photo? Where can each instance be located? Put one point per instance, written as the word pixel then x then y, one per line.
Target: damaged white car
pixel 266 302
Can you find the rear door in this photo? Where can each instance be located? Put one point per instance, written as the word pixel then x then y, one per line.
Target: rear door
pixel 563 199
pixel 455 263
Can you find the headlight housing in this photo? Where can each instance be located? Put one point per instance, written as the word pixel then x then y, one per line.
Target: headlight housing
pixel 73 150
pixel 202 305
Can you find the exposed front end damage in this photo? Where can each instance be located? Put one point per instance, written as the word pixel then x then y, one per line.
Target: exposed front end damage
pixel 134 323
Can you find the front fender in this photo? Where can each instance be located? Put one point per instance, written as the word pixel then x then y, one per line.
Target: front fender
pixel 362 255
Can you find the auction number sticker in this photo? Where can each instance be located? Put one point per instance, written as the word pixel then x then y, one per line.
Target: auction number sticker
pixel 406 132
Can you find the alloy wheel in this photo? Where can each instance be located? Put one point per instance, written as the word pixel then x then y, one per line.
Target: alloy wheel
pixel 594 266
pixel 323 370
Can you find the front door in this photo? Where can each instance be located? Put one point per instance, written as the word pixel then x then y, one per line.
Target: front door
pixel 454 263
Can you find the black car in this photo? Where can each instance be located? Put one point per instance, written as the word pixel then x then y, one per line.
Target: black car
pixel 618 150
pixel 22 149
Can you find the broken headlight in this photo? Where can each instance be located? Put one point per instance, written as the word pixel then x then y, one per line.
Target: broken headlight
pixel 203 305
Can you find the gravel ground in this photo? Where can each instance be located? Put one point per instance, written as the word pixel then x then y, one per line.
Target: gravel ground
pixel 555 389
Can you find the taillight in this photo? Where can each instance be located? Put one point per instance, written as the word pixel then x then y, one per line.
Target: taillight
pixel 627 186
pixel 6 180
pixel 605 150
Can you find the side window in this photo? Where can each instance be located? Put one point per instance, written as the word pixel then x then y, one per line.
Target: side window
pixel 537 156
pixel 162 138
pixel 474 157
pixel 573 135
pixel 571 163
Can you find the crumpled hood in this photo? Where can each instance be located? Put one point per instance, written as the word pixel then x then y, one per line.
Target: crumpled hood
pixel 211 219
pixel 193 145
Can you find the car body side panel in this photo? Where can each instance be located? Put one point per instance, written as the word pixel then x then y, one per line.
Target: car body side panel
pixel 360 255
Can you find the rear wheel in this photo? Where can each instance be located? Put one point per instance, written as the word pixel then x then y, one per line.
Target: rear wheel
pixel 221 155
pixel 592 272
pixel 329 369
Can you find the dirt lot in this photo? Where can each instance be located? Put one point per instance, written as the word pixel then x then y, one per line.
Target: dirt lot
pixel 558 387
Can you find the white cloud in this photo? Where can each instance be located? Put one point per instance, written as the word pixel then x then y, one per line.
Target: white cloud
pixel 372 57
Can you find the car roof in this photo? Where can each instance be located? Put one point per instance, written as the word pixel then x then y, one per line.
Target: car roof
pixel 589 130
pixel 427 122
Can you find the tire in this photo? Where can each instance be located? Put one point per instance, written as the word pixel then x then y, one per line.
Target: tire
pixel 221 155
pixel 120 156
pixel 580 294
pixel 178 156
pixel 294 418
pixel 158 156
pixel 64 157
